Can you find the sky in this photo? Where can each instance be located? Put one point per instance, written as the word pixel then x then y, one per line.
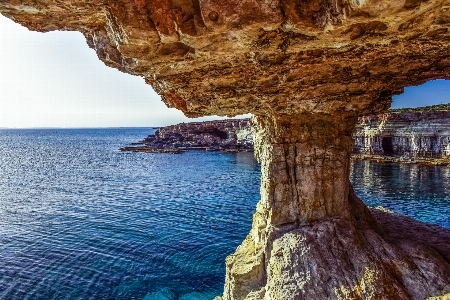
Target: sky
pixel 55 80
pixel 431 93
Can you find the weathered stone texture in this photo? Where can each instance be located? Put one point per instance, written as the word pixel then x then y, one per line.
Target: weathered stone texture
pixel 210 135
pixel 306 69
pixel 312 238
pixel 423 134
pixel 272 56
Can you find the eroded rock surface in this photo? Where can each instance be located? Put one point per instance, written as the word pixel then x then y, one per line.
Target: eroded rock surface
pixel 225 135
pixel 409 135
pixel 306 69
pixel 265 57
pixel 419 135
pixel 415 135
pixel 312 238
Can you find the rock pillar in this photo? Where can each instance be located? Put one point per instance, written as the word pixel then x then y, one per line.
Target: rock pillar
pixel 311 237
pixel 306 68
pixel 305 167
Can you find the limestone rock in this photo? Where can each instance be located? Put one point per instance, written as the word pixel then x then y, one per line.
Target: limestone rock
pixel 415 134
pixel 312 238
pixel 266 57
pixel 306 69
pixel 210 135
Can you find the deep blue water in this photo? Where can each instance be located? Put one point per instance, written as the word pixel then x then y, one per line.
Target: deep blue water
pixel 421 192
pixel 81 220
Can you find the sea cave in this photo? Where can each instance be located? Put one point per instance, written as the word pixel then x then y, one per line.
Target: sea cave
pixel 306 70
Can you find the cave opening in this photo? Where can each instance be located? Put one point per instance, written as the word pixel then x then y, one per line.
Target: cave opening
pixel 388 147
pixel 220 133
pixel 310 229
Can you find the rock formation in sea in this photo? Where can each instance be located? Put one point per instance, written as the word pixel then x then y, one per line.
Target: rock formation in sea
pixel 306 70
pixel 225 135
pixel 408 135
pixel 232 135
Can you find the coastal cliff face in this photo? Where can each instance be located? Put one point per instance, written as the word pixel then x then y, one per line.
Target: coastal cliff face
pixel 412 134
pixel 408 135
pixel 306 70
pixel 210 135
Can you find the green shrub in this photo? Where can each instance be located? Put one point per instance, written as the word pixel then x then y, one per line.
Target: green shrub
pixel 425 108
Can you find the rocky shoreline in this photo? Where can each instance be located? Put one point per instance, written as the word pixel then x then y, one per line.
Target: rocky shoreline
pixel 418 136
pixel 403 160
pixel 232 135
pixel 306 70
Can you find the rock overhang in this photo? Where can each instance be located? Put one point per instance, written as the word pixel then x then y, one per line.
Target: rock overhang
pixel 306 69
pixel 271 57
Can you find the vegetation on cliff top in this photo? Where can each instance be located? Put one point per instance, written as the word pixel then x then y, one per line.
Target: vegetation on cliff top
pixel 425 108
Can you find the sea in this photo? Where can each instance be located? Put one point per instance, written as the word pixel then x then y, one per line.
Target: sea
pixel 80 219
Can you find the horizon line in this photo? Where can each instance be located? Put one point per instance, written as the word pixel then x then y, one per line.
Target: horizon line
pixel 100 127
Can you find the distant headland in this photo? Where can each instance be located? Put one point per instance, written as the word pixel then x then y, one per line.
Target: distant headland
pixel 408 135
pixel 231 135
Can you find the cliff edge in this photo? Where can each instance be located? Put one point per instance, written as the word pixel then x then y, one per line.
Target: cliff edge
pixel 409 135
pixel 419 135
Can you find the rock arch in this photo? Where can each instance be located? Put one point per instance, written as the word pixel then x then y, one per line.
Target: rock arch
pixel 306 70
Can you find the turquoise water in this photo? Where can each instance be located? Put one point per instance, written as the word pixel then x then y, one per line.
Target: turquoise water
pixel 421 192
pixel 81 220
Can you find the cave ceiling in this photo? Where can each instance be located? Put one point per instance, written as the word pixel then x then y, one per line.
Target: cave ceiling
pixel 266 57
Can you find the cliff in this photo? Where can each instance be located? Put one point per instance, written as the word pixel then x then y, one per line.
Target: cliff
pixel 306 70
pixel 226 135
pixel 408 136
pixel 230 135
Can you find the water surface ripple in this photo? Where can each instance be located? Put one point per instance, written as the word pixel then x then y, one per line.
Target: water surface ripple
pixel 81 220
pixel 418 191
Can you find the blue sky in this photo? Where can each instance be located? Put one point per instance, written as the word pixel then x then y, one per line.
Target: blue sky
pixel 430 93
pixel 54 80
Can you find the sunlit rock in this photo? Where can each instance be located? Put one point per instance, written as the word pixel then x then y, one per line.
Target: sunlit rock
pixel 409 135
pixel 306 70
